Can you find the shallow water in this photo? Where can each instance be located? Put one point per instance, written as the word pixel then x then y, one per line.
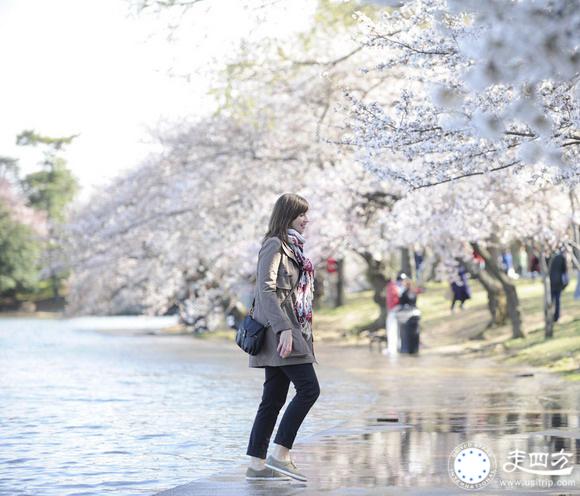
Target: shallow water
pixel 84 412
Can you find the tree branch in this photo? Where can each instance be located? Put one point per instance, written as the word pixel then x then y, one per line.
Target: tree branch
pixel 477 173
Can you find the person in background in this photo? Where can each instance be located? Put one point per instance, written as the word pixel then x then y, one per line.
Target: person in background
pixel 392 294
pixel 392 301
pixel 509 265
pixel 399 283
pixel 409 295
pixel 460 289
pixel 524 263
pixel 408 316
pixel 534 266
pixel 478 259
pixel 419 265
pixel 507 261
pixel 558 279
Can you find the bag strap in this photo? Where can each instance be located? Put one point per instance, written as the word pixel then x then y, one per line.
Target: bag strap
pixel 251 312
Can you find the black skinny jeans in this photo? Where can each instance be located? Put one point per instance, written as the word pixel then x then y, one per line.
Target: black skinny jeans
pixel 273 398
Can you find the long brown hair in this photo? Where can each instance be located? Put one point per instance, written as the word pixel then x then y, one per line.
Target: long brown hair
pixel 286 209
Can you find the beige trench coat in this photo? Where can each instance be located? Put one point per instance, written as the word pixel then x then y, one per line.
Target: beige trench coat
pixel 278 272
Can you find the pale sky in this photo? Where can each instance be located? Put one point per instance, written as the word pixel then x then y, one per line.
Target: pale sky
pixel 89 67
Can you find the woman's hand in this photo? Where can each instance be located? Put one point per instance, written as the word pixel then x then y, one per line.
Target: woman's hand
pixel 285 344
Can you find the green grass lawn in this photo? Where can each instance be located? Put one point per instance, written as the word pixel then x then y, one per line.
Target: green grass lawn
pixel 559 354
pixel 443 332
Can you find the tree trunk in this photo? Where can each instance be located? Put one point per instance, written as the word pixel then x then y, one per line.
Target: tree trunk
pixel 575 232
pixel 318 290
pixel 576 238
pixel 433 269
pixel 548 303
pixel 378 281
pixel 50 251
pixel 496 301
pixel 406 262
pixel 511 294
pixel 339 283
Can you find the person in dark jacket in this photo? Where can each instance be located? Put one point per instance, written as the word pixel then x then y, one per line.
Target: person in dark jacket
pixel 409 295
pixel 558 279
pixel 460 289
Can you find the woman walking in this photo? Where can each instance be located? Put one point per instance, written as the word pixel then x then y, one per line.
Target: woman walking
pixel 460 289
pixel 284 294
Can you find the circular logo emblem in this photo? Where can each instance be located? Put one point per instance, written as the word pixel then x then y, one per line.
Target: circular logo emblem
pixel 472 466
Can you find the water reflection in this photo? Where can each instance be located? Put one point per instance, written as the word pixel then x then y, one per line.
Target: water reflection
pixel 414 453
pixel 491 406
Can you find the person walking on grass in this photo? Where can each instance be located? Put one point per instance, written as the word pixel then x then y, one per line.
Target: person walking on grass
pixel 460 289
pixel 287 353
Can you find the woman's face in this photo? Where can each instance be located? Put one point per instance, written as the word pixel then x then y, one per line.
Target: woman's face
pixel 299 223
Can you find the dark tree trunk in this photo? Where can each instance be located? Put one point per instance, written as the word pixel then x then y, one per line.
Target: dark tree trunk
pixel 511 294
pixel 406 266
pixel 53 277
pixel 496 301
pixel 548 303
pixel 575 232
pixel 318 290
pixel 378 281
pixel 54 284
pixel 339 283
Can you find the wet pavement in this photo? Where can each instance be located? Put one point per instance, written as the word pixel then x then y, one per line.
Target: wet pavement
pixel 402 439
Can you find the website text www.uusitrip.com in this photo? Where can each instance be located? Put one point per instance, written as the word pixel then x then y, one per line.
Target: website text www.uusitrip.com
pixel 537 483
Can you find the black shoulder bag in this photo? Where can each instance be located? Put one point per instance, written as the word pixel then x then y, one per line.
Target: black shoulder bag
pixel 250 334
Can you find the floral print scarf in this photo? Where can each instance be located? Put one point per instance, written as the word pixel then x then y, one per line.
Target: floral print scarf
pixel 304 292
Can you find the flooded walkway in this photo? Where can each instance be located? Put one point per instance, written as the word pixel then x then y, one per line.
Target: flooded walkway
pixel 424 408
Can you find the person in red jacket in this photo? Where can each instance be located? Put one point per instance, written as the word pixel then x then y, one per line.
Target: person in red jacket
pixel 391 324
pixel 392 294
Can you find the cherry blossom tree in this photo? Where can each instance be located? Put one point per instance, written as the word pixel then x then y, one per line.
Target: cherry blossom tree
pixel 491 85
pixel 183 229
